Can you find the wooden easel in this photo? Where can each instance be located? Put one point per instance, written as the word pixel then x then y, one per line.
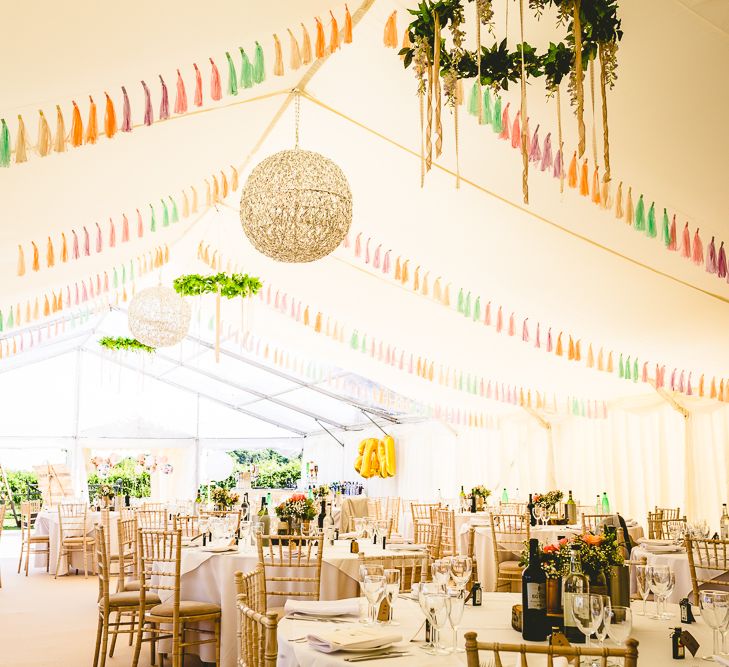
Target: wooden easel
pixel 7 493
pixel 53 482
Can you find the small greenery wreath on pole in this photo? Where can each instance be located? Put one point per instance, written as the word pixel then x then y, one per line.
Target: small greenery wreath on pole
pixel 229 286
pixel 117 343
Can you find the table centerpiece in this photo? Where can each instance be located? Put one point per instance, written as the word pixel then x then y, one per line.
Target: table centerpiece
pixel 105 495
pixel 295 514
pixel 223 499
pixel 481 493
pixel 548 501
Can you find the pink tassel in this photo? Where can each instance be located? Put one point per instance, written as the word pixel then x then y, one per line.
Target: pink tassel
pixel 721 268
pixel 686 247
pixel 499 321
pixel 74 248
pixel 84 292
pixel 367 252
pixel 112 234
pixel 672 244
pixel 689 391
pixel 537 342
pixel 126 125
pixel 698 252
pixel 181 97
pixel 76 300
pixel 658 377
pixel 376 259
pixel 535 152
pixel 547 153
pixel 164 105
pixel 125 228
pixel 489 391
pixel 148 113
pixel 711 257
pixel 87 242
pixel 680 382
pixel 644 376
pixel 106 281
pixel 198 100
pixel 358 245
pixel 549 340
pixel 99 244
pixel 487 315
pixel 673 380
pixel 346 243
pixel 216 91
pixel 505 122
pixel 516 132
pixel 140 225
pixel 525 331
pixel 512 326
pixel 558 165
pixel 386 262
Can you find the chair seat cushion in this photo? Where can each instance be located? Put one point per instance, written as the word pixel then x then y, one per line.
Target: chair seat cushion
pixel 510 567
pixel 132 585
pixel 77 540
pixel 131 599
pixel 39 539
pixel 187 608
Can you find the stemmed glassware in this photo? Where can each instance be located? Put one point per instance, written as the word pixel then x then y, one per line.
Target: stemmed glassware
pixel 659 578
pixel 245 533
pixel 588 612
pixel 603 626
pixel 437 607
pixel 392 589
pixel 441 569
pixel 374 590
pixel 461 567
pixel 715 611
pixel 456 604
pixel 643 581
pixel 621 624
pixel 426 590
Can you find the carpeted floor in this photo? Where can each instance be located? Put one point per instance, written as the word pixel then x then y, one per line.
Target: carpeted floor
pixel 47 622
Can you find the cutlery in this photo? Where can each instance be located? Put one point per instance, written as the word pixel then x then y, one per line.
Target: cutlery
pixel 320 619
pixel 378 656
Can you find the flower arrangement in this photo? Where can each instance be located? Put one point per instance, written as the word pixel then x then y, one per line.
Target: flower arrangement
pixel 105 492
pixel 322 491
pixel 224 497
pixel 548 500
pixel 297 507
pixel 481 491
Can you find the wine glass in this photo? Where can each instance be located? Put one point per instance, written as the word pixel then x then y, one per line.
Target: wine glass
pixel 587 610
pixel 245 533
pixel 603 626
pixel 392 590
pixel 359 528
pixel 659 578
pixel 621 624
pixel 461 567
pixel 437 605
pixel 715 611
pixel 441 569
pixel 670 585
pixel 369 570
pixel 424 590
pixel 456 604
pixel 643 582
pixel 374 590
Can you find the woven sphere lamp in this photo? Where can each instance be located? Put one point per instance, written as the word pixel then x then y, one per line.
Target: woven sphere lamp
pixel 296 206
pixel 159 317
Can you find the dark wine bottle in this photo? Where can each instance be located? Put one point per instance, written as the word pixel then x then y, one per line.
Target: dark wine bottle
pixel 534 597
pixel 473 503
pixel 322 514
pixel 530 509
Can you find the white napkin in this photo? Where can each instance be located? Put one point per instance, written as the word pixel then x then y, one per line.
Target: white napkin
pixel 403 546
pixel 648 542
pixel 721 660
pixel 323 607
pixel 352 639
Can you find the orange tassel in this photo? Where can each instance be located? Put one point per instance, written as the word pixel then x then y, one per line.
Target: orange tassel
pixel 317 323
pixel 50 255
pixel 629 211
pixel 578 351
pixel 21 261
pixel 36 309
pixel 595 187
pixel 233 179
pixel 436 290
pixel 295 59
pixel 610 367
pixel 559 351
pixel 278 68
pixel 194 199
pixel 584 180
pixel 571 350
pixel 347 26
pixel 333 34
pixel 572 173
pixel 306 316
pixel 416 280
pixel 398 270
pixel 590 357
pixel 77 127
pixel 216 190
pixel 92 128
pixel 224 184
pixel 46 307
pixel 321 47
pixel 109 118
pixel 167 253
pixel 59 145
pixel 44 136
pixel 306 46
pixel 424 291
pixel 36 262
pixel 64 248
pixel 390 36
pixel 447 295
pixel 21 142
pixel 713 388
pixel 405 274
pixel 701 386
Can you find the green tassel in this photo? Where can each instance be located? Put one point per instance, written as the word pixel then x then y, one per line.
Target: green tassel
pixel 652 230
pixel 635 370
pixel 582 409
pixel 666 229
pixel 1 320
pixel 152 222
pixel 486 117
pixel 627 370
pixel 115 279
pixel 211 324
pixel 363 348
pixel 473 99
pixel 124 274
pixel 354 342
pixel 175 212
pixel 460 301
pixel 232 76
pixel 11 320
pixel 467 305
pixel 259 71
pixel 477 309
pixel 165 214
pixel 460 382
pixel 497 115
pixel 640 215
pixel 246 70
pixel 621 368
pixel 131 269
pixel 575 407
pixel 4 144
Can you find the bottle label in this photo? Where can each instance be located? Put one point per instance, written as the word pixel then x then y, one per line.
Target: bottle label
pixel 536 596
pixel 569 617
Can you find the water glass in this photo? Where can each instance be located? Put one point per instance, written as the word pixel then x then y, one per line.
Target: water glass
pixel 659 577
pixel 456 604
pixel 621 624
pixel 392 590
pixel 374 590
pixel 588 612
pixel 461 567
pixel 365 571
pixel 715 611
pixel 643 580
pixel 437 606
pixel 441 569
pixel 424 590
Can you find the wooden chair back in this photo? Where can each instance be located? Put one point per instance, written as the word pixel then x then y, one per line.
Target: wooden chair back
pixel 127 539
pixel 592 523
pixel 72 520
pixel 374 508
pixel 709 564
pixel 234 515
pixel 159 553
pixel 421 511
pixel 392 512
pixel 152 519
pixel 29 510
pixel 102 564
pixel 413 569
pixel 188 524
pixel 426 532
pixel 447 519
pixel 154 506
pixel 509 532
pixel 512 508
pixel 257 639
pixel 253 586
pixel 669 513
pixel 292 565
pixel 629 654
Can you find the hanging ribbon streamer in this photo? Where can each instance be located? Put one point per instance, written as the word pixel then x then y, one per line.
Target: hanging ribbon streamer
pixel 579 77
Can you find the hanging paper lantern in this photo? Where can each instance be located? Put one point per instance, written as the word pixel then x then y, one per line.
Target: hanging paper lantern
pixel 296 206
pixel 167 469
pixel 159 317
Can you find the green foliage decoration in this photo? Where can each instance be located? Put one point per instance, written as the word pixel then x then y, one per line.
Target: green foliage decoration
pixel 229 286
pixel 117 343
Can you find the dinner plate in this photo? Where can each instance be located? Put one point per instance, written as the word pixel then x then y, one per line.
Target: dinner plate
pixel 372 649
pixel 221 548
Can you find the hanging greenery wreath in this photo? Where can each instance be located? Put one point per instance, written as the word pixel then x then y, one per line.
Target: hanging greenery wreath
pixel 229 286
pixel 117 343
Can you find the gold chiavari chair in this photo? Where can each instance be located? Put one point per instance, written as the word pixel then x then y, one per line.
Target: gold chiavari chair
pixel 592 523
pixel 430 534
pixel 29 511
pixel 422 511
pixel 669 513
pixel 447 519
pixel 629 654
pixel 125 604
pixel 236 514
pixel 413 569
pixel 374 509
pixel 661 528
pixel 392 512
pixel 159 554
pixel 188 524
pixel 285 558
pixel 709 564
pixel 512 508
pixel 257 639
pixel 509 532
pixel 154 506
pixel 253 586
pixel 128 579
pixel 73 527
pixel 152 519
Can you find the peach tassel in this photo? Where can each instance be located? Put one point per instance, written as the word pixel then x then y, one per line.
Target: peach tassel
pixel 110 126
pixel 278 68
pixel 44 136
pixel 619 202
pixel 347 26
pixel 572 173
pixel 233 179
pixel 584 180
pixel 21 143
pixel 21 261
pixel 595 187
pixel 390 36
pixel 77 127
pixel 64 248
pixel 50 254
pixel 321 47
pixel 306 46
pixel 92 127
pixel 36 261
pixel 59 145
pixel 295 61
pixel 629 212
pixel 333 34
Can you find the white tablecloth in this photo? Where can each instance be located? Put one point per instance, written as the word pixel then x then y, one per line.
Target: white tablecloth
pixel 46 523
pixel 678 562
pixel 208 577
pixel 492 622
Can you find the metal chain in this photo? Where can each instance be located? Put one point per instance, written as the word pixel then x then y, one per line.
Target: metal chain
pixel 297 112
